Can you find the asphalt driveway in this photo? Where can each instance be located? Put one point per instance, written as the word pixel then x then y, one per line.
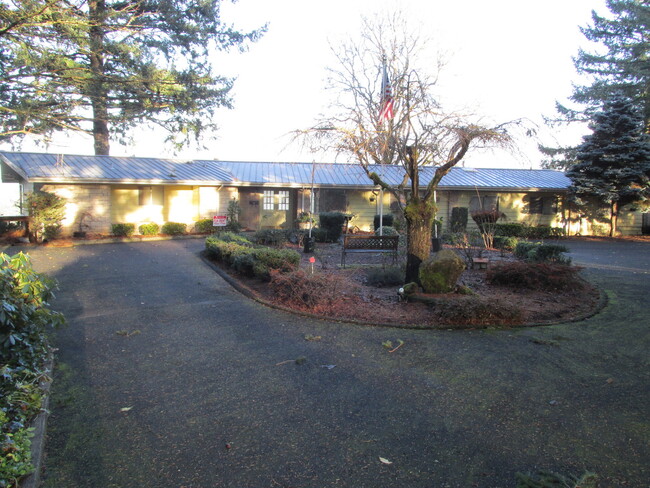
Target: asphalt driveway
pixel 167 377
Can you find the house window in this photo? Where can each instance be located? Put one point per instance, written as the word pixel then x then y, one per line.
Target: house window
pixel 283 203
pixel 275 201
pixel 486 203
pixel 150 195
pixel 268 200
pixel 540 204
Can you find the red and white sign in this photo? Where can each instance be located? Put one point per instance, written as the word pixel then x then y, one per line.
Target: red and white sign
pixel 219 220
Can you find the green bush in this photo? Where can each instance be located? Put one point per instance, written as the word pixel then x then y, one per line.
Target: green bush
pixel 174 228
pixel 537 252
pixel 332 222
pixel 271 237
pixel 233 237
pixel 46 212
pixel 319 235
pixel 225 251
pixel 122 230
pixel 150 229
pixel 387 231
pixel 387 221
pixel 505 243
pixel 523 230
pixel 25 318
pixel 204 226
pixel 459 217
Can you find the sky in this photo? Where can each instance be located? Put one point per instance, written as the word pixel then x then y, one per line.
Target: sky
pixel 507 59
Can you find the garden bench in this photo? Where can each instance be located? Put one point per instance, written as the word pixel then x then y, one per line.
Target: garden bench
pixel 376 244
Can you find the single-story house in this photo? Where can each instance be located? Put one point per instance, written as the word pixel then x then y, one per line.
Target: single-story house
pixel 104 190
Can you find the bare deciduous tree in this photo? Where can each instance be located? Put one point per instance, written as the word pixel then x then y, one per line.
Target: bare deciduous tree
pixel 420 136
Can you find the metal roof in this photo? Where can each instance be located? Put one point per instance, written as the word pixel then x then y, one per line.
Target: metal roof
pixel 40 167
pixel 352 175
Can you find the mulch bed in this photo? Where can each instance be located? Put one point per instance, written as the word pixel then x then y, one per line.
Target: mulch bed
pixel 382 306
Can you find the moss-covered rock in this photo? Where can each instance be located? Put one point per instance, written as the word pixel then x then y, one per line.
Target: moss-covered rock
pixel 440 273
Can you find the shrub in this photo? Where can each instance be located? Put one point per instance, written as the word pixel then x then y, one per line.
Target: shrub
pixel 232 237
pixel 244 263
pixel 174 228
pixel 232 216
pixel 511 229
pixel 319 292
pixel 387 231
pixel 319 235
pixel 225 251
pixel 150 229
pixel 380 277
pixel 387 221
pixel 332 222
pixel 537 252
pixel 271 237
pixel 122 230
pixel 535 276
pixel 520 229
pixel 24 321
pixel 505 243
pixel 282 260
pixel 458 221
pixel 204 226
pixel 440 273
pixel 46 212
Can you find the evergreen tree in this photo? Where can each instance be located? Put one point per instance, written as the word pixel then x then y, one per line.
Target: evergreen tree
pixel 105 66
pixel 622 67
pixel 613 163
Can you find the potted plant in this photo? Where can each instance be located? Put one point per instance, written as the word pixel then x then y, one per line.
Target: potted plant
pixel 81 233
pixel 304 220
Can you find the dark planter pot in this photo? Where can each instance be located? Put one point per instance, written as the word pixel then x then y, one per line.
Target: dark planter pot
pixel 309 244
pixel 436 244
pixel 79 234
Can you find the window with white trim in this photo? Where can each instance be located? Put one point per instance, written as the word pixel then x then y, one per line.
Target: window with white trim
pixel 275 201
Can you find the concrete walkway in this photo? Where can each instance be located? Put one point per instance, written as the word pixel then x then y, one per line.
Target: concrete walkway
pixel 169 378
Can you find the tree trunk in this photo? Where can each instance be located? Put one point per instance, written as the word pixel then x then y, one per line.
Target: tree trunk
pixel 613 219
pixel 419 221
pixel 98 92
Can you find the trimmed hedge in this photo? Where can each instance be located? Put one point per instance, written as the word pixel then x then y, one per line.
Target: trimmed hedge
pixel 522 230
pixel 332 222
pixel 204 226
pixel 150 229
pixel 536 252
pixel 252 261
pixel 387 221
pixel 174 228
pixel 122 230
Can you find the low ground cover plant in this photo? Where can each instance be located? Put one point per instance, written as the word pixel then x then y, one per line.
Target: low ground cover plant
pixel 25 318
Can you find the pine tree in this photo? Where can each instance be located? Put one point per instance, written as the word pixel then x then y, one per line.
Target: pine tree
pixel 620 65
pixel 613 163
pixel 103 67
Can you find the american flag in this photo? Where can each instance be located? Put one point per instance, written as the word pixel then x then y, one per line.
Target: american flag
pixel 386 111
